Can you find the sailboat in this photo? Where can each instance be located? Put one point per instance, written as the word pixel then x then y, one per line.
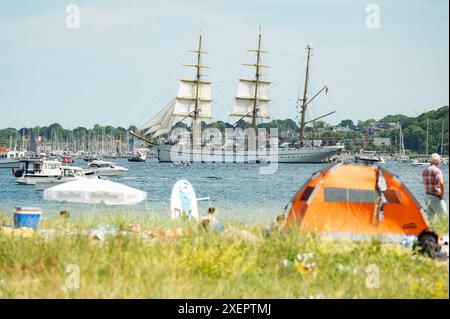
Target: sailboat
pixel 252 101
pixel 444 160
pixel 402 157
pixel 423 161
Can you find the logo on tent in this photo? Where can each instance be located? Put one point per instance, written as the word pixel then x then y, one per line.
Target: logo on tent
pixel 409 226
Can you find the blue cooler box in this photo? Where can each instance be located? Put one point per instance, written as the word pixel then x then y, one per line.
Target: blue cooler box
pixel 27 217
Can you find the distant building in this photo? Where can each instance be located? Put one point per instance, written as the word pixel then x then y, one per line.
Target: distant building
pixel 382 141
pixel 386 126
pixel 340 129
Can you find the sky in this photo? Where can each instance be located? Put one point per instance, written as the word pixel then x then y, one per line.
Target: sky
pixel 123 64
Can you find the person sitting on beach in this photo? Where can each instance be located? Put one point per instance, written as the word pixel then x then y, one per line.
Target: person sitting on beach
pixel 64 214
pixel 210 221
pixel 275 226
pixel 433 181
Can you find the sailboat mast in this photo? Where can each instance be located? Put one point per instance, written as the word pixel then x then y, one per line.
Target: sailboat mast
pixel 198 77
pixel 428 121
pixel 257 75
pixel 442 139
pixel 305 96
pixel 195 115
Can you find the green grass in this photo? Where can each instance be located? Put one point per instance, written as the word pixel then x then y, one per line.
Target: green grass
pixel 207 265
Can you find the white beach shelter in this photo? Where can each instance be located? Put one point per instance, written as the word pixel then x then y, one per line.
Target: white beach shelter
pixel 95 191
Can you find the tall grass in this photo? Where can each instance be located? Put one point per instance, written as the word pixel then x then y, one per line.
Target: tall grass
pixel 208 265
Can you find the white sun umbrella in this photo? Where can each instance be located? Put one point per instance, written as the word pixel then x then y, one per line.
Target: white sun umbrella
pixel 95 191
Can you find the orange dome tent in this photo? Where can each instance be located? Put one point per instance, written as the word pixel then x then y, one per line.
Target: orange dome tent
pixel 354 202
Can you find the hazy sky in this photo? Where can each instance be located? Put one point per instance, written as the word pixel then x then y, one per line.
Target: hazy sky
pixel 123 64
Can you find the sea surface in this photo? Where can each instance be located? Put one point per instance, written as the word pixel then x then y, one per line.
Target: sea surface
pixel 238 191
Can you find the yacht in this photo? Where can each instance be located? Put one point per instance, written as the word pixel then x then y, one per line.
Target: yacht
pixel 33 170
pixel 139 157
pixel 10 159
pixel 369 157
pixel 103 168
pixel 68 174
pixel 420 162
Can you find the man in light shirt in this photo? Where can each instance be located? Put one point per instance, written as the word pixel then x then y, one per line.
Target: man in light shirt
pixel 433 181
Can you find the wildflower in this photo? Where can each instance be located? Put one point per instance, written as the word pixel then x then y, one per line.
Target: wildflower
pixel 301 268
pixel 438 285
pixel 301 262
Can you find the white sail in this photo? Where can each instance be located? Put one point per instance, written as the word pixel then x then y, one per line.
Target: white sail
pixel 246 89
pixel 186 98
pixel 244 108
pixel 245 99
pixel 162 122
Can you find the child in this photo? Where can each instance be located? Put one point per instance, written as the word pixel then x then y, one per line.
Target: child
pixel 210 220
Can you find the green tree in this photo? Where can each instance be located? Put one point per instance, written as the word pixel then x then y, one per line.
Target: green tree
pixel 345 123
pixel 320 124
pixel 415 138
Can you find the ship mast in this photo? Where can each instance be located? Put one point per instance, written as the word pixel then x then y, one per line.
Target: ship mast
pixel 198 77
pixel 257 75
pixel 198 100
pixel 305 101
pixel 195 114
pixel 442 138
pixel 253 98
pixel 305 96
pixel 192 101
pixel 427 143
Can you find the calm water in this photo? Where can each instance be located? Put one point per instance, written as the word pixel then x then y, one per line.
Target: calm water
pixel 238 191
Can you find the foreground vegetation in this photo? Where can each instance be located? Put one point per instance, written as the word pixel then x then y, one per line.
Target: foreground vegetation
pixel 239 263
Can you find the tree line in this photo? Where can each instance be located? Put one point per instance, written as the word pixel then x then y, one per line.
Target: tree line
pixel 414 130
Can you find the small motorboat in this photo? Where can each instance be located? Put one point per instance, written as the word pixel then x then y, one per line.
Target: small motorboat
pixel 90 158
pixel 103 168
pixel 181 163
pixel 369 157
pixel 33 170
pixel 420 162
pixel 10 159
pixel 67 160
pixel 139 157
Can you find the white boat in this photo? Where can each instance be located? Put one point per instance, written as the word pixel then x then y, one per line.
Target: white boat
pixel 402 157
pixel 33 170
pixel 252 101
pixel 369 157
pixel 68 174
pixel 420 162
pixel 103 168
pixel 10 159
pixel 138 157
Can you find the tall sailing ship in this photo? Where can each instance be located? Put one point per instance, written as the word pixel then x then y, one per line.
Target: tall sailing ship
pixel 252 101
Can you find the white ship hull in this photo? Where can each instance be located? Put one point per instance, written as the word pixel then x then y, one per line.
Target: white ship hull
pixel 320 154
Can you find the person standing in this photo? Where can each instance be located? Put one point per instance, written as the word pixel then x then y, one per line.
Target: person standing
pixel 433 181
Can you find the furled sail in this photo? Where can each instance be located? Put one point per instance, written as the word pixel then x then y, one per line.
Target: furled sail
pixel 162 122
pixel 187 96
pixel 245 99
